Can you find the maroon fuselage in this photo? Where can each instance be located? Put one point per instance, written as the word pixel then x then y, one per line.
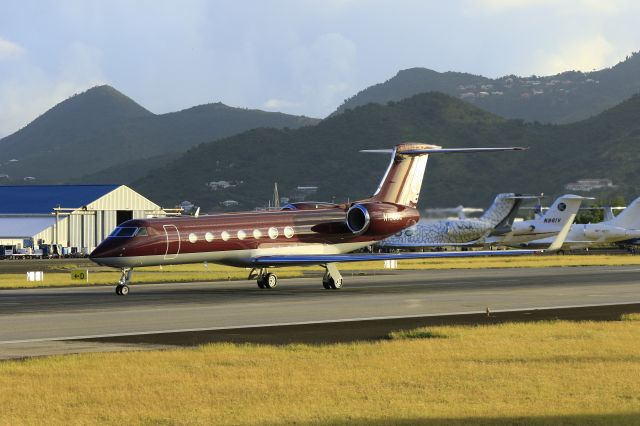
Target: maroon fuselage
pixel 234 238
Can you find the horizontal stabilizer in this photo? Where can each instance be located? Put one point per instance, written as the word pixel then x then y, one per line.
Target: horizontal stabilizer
pixel 443 150
pixel 377 151
pixel 460 150
pixel 524 197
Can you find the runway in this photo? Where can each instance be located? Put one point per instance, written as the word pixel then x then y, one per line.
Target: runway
pixel 32 321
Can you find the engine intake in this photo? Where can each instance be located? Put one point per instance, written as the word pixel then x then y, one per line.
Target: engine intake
pixel 358 219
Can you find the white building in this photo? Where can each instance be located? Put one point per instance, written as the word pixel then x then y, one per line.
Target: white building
pixel 79 216
pixel 589 184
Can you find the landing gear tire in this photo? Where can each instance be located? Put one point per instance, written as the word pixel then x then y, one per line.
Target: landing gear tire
pixel 270 280
pixel 326 284
pixel 333 283
pixel 260 282
pixel 122 290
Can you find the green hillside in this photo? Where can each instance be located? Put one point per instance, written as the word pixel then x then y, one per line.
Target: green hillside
pixel 327 156
pixel 563 98
pixel 101 128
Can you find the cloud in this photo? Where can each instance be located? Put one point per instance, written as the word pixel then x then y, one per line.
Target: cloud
pixel 278 104
pixel 324 70
pixel 562 7
pixel 9 49
pixel 29 90
pixel 581 55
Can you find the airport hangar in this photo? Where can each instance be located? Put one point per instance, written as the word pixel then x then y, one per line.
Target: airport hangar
pixel 74 217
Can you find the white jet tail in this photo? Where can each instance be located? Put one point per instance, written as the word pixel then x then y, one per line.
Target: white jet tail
pixel 562 210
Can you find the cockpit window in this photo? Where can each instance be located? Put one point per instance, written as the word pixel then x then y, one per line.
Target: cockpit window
pixel 125 231
pixel 142 232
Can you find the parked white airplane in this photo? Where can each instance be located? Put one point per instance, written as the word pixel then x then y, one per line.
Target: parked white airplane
pixel 461 232
pixel 625 226
pixel 546 224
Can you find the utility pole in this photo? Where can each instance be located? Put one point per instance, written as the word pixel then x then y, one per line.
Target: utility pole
pixel 276 197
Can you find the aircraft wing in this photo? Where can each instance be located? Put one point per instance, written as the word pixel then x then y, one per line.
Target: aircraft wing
pixel 418 245
pixel 317 259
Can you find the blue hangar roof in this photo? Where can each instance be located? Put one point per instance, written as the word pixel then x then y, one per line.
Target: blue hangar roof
pixel 20 199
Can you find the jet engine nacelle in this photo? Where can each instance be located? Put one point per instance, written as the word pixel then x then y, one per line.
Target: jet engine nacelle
pixel 592 233
pixel 380 218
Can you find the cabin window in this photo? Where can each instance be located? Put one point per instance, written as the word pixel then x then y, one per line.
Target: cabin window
pixel 193 238
pixel 288 232
pixel 273 233
pixel 208 236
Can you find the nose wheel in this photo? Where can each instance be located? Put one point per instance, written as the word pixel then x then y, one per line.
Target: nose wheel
pixel 122 289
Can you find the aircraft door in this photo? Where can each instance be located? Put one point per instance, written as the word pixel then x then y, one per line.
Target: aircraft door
pixel 173 242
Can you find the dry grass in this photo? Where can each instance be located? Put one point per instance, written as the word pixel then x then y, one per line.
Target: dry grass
pixel 213 272
pixel 541 373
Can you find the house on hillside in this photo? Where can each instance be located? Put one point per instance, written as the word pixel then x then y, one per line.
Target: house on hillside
pixel 590 184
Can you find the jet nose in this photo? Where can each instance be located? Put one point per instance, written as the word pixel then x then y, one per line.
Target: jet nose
pixel 97 253
pixel 107 249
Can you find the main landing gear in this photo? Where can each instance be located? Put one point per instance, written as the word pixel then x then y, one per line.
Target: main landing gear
pixel 332 280
pixel 122 289
pixel 264 278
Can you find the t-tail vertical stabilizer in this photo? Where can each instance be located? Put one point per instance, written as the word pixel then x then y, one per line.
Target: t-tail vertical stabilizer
pixel 629 218
pixel 561 212
pixel 402 181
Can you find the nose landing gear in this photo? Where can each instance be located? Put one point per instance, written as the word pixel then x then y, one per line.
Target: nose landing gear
pixel 122 289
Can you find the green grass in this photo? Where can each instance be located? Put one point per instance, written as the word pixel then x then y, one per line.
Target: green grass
pixel 527 373
pixel 57 273
pixel 631 317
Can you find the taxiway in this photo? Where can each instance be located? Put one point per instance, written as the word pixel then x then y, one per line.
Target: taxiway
pixel 31 321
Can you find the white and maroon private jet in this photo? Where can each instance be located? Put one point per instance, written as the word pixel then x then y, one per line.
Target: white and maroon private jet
pixel 305 233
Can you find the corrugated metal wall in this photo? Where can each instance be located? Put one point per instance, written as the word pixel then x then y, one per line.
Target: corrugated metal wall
pixel 123 198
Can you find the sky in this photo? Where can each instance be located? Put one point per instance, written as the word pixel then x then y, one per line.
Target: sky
pixel 295 56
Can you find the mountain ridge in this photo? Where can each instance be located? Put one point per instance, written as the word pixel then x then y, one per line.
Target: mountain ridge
pixel 561 98
pixel 101 128
pixel 326 156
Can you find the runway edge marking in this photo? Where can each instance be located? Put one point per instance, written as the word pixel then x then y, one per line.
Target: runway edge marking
pixel 285 324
